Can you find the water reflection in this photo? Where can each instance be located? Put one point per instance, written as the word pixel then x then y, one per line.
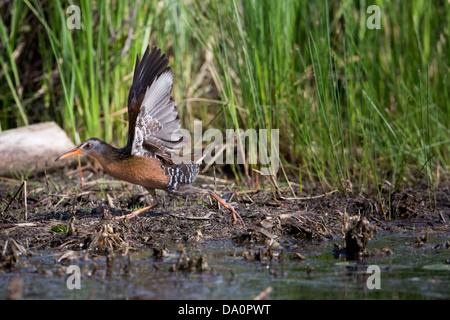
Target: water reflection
pixel 229 275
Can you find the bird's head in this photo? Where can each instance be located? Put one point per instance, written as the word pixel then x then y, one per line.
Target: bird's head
pixel 92 147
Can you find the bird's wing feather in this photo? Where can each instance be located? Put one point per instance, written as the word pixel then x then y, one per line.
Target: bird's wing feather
pixel 153 117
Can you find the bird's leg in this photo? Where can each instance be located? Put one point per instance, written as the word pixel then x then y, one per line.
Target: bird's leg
pixel 226 205
pixel 138 212
pixel 187 189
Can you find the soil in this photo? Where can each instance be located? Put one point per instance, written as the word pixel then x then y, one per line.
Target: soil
pixel 62 217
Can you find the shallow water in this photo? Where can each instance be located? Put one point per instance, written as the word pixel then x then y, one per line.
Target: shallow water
pixel 403 275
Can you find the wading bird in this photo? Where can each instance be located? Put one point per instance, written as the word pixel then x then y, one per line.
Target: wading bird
pixel 154 135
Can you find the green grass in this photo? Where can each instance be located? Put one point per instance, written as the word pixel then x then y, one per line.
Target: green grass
pixel 355 107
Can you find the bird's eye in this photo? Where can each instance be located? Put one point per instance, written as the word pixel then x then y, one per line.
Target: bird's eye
pixel 88 146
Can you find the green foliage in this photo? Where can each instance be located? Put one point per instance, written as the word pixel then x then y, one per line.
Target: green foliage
pixel 354 106
pixel 58 229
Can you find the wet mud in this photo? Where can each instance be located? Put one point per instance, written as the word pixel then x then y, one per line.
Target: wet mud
pixel 76 224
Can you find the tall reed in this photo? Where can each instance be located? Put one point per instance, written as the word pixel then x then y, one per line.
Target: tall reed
pixel 355 107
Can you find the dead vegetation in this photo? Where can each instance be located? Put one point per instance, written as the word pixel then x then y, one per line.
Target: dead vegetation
pixel 77 224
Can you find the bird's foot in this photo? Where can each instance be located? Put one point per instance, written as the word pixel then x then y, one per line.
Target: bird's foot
pixel 134 213
pixel 234 214
pixel 229 207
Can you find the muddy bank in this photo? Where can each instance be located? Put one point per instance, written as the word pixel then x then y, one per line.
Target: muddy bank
pixel 60 215
pixel 62 224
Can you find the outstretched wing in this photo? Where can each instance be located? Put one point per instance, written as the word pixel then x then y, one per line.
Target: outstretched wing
pixel 154 124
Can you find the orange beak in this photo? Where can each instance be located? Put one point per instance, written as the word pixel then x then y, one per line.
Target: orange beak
pixel 70 153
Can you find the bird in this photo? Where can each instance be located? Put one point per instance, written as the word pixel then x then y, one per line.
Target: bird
pixel 154 136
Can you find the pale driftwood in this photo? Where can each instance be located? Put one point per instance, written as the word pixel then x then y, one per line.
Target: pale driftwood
pixel 33 149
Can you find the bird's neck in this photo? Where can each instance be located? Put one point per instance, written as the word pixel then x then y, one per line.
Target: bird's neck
pixel 110 155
